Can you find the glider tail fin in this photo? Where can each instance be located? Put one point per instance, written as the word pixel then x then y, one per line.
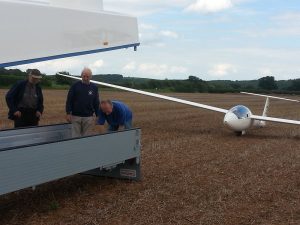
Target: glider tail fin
pixel 260 123
pixel 265 112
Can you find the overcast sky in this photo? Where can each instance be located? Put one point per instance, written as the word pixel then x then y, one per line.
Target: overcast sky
pixel 211 39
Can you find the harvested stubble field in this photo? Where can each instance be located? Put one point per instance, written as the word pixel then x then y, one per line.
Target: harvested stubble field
pixel 195 171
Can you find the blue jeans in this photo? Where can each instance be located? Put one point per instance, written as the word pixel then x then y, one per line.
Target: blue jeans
pixel 127 126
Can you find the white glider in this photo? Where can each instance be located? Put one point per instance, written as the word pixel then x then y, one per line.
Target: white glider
pixel 238 118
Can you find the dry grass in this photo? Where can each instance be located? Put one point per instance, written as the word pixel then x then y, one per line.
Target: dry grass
pixel 195 171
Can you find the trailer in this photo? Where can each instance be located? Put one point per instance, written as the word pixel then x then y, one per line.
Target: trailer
pixel 37 155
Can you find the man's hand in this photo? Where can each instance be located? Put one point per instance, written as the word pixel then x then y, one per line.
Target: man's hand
pixel 96 120
pixel 100 129
pixel 69 118
pixel 38 114
pixel 18 114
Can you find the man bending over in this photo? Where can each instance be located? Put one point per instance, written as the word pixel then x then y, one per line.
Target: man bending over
pixel 117 114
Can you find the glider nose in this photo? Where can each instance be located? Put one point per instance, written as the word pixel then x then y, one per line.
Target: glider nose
pixel 229 118
pixel 238 118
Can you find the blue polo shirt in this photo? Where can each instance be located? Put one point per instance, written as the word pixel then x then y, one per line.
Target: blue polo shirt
pixel 120 114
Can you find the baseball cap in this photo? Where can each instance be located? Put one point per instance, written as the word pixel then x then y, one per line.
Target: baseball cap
pixel 35 73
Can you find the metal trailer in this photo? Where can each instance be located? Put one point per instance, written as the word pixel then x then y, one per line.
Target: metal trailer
pixel 36 155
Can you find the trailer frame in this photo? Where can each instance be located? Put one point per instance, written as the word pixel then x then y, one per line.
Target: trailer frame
pixel 37 155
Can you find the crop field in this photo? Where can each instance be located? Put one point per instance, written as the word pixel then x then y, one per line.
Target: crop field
pixel 195 171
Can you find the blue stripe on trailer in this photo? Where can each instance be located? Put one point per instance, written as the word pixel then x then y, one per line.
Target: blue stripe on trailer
pixel 28 61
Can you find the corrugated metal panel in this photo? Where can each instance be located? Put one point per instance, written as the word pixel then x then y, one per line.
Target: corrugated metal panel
pixel 34 135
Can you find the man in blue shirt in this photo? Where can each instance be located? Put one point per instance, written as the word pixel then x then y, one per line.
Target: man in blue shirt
pixel 82 104
pixel 117 114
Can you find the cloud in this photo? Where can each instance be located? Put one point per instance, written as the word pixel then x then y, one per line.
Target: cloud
pixel 153 36
pixel 152 39
pixel 154 70
pixel 130 66
pixel 288 17
pixel 178 69
pixel 277 31
pixel 160 69
pixel 209 6
pixel 73 65
pixel 144 26
pixel 221 70
pixel 282 25
pixel 96 66
pixel 54 66
pixel 265 71
pixel 169 34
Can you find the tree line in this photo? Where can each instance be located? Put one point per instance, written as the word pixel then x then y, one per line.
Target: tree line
pixel 192 84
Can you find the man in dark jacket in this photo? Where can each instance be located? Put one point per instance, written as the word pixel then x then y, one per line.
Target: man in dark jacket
pixel 82 104
pixel 25 101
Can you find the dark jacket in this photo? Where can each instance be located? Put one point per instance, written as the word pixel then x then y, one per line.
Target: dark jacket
pixel 15 94
pixel 83 100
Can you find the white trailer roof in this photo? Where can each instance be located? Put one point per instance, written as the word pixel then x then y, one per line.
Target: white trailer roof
pixel 87 5
pixel 40 30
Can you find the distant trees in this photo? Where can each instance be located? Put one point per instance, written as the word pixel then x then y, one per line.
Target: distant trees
pixel 267 83
pixel 13 72
pixel 10 77
pixel 295 85
pixel 60 80
pixel 46 81
pixel 193 78
pixel 9 80
pixel 192 84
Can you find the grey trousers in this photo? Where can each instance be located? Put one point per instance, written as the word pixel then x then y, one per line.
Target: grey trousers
pixel 82 126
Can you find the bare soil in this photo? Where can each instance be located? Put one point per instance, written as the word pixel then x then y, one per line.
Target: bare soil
pixel 195 171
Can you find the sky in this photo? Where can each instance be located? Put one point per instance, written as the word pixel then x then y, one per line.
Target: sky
pixel 210 39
